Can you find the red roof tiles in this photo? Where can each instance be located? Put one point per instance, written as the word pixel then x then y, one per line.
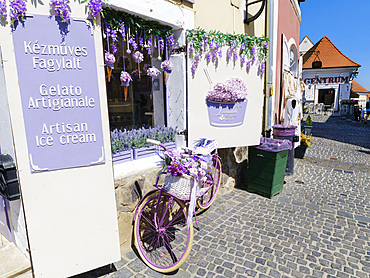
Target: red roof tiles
pixel 357 88
pixel 328 54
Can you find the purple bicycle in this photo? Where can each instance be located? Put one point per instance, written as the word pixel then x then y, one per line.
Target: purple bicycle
pixel 162 233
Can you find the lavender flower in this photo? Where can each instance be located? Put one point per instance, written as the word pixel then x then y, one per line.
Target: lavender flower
pixel 232 90
pixel 61 9
pixel 138 57
pixel 153 72
pixel 171 42
pixel 107 30
pixel 191 48
pixel 197 58
pixel 161 44
pixel 194 66
pixel 95 7
pixel 235 56
pixel 262 67
pixel 242 59
pixel 253 50
pixel 141 42
pixel 178 164
pixel 114 35
pixel 167 66
pixel 265 45
pixel 149 46
pixel 208 57
pixel 114 48
pixel 3 10
pixel 17 9
pixel 125 76
pixel 122 29
pixel 249 65
pixel 242 47
pixel 109 59
pixel 133 42
pixel 229 53
pixel 214 52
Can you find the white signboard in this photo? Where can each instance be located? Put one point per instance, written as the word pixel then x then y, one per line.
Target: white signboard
pixel 309 93
pixel 231 125
pixel 345 91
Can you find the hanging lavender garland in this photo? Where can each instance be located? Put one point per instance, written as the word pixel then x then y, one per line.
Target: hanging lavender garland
pixel 61 9
pixel 209 44
pixel 3 10
pixel 95 7
pixel 17 9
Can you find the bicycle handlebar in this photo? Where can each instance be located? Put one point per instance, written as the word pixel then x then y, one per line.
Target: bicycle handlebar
pixel 153 142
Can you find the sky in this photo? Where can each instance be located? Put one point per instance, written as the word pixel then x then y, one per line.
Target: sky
pixel 346 24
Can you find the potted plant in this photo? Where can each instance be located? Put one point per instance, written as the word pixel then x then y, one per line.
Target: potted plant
pixel 131 144
pixel 306 141
pixel 227 103
pixel 122 142
pixel 308 125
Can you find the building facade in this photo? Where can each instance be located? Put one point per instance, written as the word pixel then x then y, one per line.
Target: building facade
pixel 126 91
pixel 327 74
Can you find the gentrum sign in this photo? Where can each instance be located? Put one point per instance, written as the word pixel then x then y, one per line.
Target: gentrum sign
pixel 326 80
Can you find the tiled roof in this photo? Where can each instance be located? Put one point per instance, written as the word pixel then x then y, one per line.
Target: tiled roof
pixel 358 88
pixel 329 55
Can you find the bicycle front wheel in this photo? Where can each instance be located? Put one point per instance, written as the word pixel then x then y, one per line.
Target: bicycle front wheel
pixel 161 234
pixel 211 185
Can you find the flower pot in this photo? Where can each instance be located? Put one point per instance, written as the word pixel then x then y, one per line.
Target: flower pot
pixel 226 114
pixel 144 152
pixel 308 129
pixel 300 151
pixel 123 156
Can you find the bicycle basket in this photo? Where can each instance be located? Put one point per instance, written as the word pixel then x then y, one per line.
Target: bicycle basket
pixel 179 186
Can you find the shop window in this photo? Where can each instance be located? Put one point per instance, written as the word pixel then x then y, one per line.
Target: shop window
pixel 130 107
pixel 293 61
pixel 133 105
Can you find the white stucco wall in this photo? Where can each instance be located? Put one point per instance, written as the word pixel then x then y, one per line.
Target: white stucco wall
pixel 66 220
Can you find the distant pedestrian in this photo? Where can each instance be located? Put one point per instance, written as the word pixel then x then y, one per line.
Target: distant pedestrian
pixel 367 111
pixel 362 114
pixel 357 113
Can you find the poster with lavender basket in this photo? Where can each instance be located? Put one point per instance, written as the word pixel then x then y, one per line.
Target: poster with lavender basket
pixel 227 103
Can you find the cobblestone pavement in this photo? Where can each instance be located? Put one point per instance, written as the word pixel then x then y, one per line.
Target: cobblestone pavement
pixel 319 226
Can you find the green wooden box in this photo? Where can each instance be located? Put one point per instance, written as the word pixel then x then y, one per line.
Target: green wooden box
pixel 266 171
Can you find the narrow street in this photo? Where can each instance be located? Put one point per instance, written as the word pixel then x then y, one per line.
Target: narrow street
pixel 319 226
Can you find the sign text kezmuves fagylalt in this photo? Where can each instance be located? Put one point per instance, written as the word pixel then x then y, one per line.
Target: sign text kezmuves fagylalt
pixel 59 96
pixel 59 91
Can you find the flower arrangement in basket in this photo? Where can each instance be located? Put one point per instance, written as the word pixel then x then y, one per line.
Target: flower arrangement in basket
pixel 181 169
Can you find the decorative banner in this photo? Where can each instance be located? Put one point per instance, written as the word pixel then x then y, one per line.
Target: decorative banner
pixel 345 91
pixel 309 93
pixel 57 73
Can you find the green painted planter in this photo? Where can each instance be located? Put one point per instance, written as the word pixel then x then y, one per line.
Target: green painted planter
pixel 266 171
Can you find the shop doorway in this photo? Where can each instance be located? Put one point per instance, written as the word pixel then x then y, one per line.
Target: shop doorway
pixel 326 96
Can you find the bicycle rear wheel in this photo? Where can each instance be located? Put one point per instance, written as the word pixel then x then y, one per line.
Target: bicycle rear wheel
pixel 161 235
pixel 211 185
